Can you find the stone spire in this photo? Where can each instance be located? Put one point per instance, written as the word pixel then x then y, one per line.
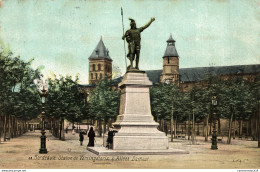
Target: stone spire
pixel 100 51
pixel 170 49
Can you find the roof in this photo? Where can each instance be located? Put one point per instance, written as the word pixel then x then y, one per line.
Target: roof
pixel 198 73
pixel 86 85
pixel 170 49
pixel 100 51
pixel 116 81
pixel 154 75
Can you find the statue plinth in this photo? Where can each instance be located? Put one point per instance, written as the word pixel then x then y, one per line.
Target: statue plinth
pixel 136 127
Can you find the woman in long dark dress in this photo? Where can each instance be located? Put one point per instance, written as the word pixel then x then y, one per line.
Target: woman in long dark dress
pixel 91 135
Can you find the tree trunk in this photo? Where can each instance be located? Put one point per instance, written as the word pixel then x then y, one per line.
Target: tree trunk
pixel 0 128
pixel 16 128
pixel 105 127
pixel 258 115
pixel 247 126
pixel 12 127
pixel 219 126
pixel 9 126
pixel 185 127
pixel 229 130
pixel 256 128
pixel 61 129
pixel 207 126
pixel 100 128
pixel 175 128
pixel 171 128
pixel 162 125
pixel 60 125
pixel 240 128
pixel 193 129
pixel 198 129
pixel 210 128
pixel 166 127
pixel 234 132
pixel 104 131
pixel 189 129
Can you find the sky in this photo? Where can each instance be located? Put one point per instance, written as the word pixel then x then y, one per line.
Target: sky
pixel 61 34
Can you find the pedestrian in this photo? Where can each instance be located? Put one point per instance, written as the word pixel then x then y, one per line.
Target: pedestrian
pixel 81 137
pixel 110 136
pixel 73 130
pixel 91 135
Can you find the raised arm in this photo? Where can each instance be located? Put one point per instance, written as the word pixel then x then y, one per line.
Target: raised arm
pixel 148 24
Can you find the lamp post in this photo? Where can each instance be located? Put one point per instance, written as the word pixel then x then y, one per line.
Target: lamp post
pixel 42 88
pixel 214 104
pixel 168 81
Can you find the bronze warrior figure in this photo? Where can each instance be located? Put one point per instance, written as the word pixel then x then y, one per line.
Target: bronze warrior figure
pixel 133 38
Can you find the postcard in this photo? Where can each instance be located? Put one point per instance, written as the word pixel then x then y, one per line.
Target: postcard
pixel 114 84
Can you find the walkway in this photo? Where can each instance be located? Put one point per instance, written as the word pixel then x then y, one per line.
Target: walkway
pixel 22 153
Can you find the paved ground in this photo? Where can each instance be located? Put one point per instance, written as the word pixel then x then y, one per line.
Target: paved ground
pixel 22 153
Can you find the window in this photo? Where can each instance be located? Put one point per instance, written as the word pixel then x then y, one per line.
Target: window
pixel 93 66
pixel 96 75
pixel 91 75
pixel 99 66
pixel 168 60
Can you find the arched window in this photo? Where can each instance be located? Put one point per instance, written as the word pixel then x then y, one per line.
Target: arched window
pixel 100 76
pixel 93 66
pixel 168 60
pixel 96 75
pixel 91 75
pixel 99 67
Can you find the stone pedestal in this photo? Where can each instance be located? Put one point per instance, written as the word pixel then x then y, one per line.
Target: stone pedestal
pixel 136 127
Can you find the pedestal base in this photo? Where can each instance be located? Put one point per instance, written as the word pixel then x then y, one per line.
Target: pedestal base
pixel 43 149
pixel 140 142
pixel 102 151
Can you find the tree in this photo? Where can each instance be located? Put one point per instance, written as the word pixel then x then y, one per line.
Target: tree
pixel 104 103
pixel 255 89
pixel 66 101
pixel 168 103
pixel 19 97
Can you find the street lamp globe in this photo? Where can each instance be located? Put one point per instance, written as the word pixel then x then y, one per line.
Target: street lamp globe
pixel 43 99
pixel 214 101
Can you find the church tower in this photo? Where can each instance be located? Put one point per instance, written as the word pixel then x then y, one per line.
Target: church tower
pixel 170 71
pixel 100 64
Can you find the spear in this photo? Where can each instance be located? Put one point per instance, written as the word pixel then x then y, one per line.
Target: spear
pixel 123 34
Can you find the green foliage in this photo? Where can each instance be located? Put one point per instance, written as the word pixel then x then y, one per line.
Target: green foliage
pixel 18 93
pixel 104 101
pixel 65 99
pixel 235 95
pixel 164 97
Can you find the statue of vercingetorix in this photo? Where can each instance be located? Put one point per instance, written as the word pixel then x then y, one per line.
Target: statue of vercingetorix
pixel 133 38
